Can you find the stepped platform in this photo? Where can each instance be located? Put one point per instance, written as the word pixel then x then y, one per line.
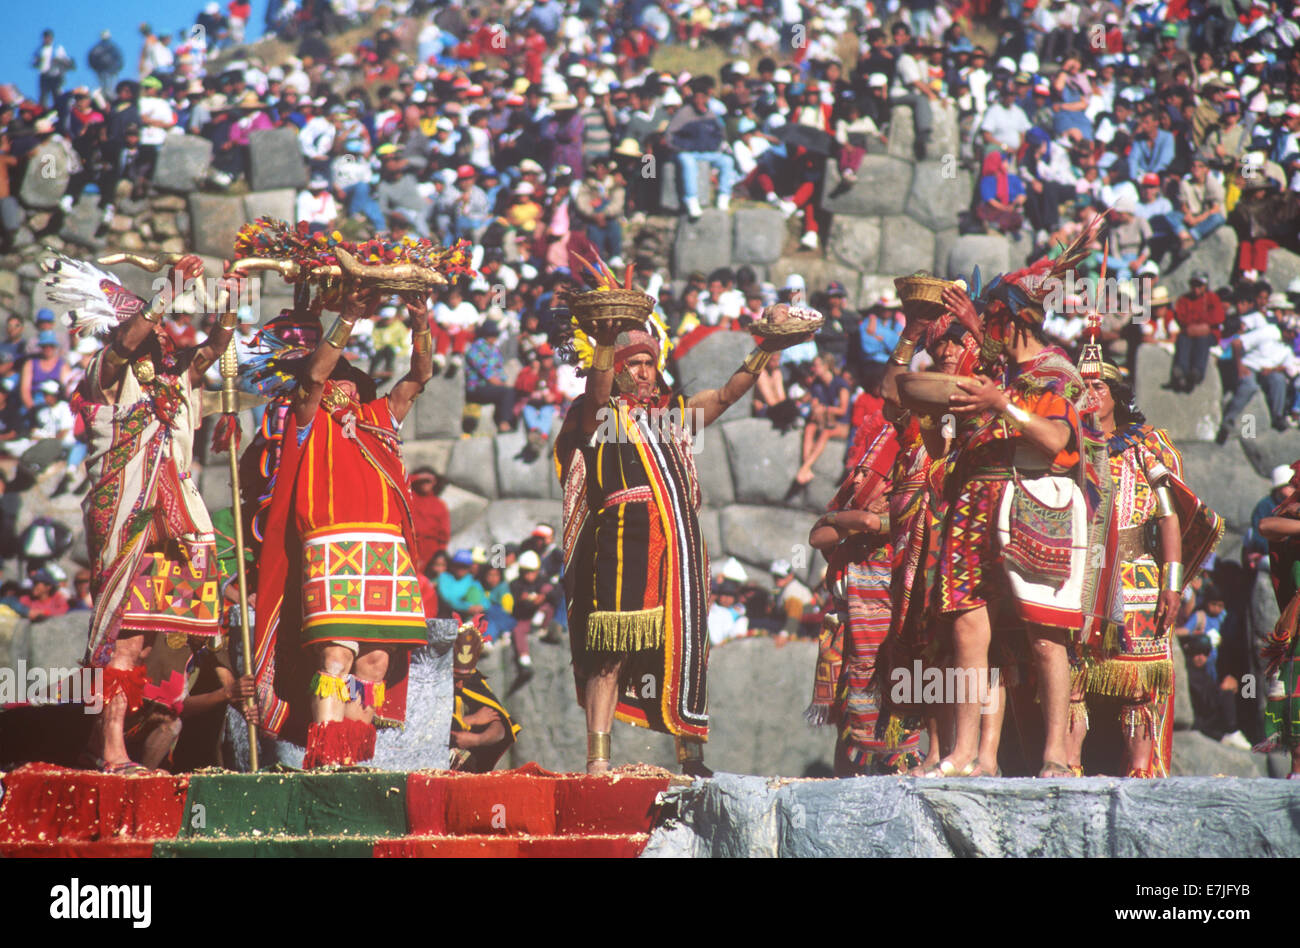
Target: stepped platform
pixel 51 811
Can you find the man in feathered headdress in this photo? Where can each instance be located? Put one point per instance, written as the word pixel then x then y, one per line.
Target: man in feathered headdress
pixel 636 571
pixel 152 549
pixel 338 600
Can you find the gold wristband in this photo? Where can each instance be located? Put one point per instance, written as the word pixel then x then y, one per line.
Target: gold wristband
pixel 340 332
pixel 422 342
pixel 154 312
pixel 1164 501
pixel 903 352
pixel 1171 577
pixel 115 358
pixel 1016 415
pixel 926 422
pixel 755 361
pixel 597 745
pixel 201 361
pixel 228 320
pixel 602 360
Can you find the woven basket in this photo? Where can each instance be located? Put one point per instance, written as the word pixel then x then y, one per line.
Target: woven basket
pixel 922 296
pixel 927 392
pixel 788 327
pixel 625 307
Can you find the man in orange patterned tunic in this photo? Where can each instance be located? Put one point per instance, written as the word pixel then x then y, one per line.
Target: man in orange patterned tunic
pixel 345 589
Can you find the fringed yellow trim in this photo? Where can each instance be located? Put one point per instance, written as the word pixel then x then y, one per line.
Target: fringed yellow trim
pixel 1138 720
pixel 625 631
pixel 327 686
pixel 1110 637
pixel 379 695
pixel 1116 678
pixel 894 732
pixel 1078 714
pixel 1078 679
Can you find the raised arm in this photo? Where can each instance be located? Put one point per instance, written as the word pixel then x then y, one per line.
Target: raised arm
pixel 212 348
pixel 132 334
pixel 320 366
pixel 600 379
pixel 409 387
pixel 706 406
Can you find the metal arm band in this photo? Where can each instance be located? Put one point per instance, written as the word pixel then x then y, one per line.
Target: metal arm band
pixel 1164 501
pixel 154 313
pixel 903 352
pixel 422 342
pixel 115 358
pixel 1171 576
pixel 1017 415
pixel 340 332
pixel 755 361
pixel 602 360
pixel 597 745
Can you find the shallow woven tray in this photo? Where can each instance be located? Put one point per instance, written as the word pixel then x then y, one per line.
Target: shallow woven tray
pixel 619 305
pixel 927 392
pixel 922 296
pixel 789 327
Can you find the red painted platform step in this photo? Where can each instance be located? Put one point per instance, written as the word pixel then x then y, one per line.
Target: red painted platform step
pixel 44 803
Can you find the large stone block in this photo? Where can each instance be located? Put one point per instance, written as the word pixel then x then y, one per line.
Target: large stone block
pixel 14 637
pixel 906 246
pixel 990 252
pixel 1283 267
pixel 711 531
pixel 278 203
pixel 1224 479
pixel 1216 255
pixel 1268 448
pixel 1196 755
pixel 81 225
pixel 428 453
pixel 940 192
pixel 1190 416
pixel 275 160
pixel 216 220
pixel 1182 699
pixel 46 177
pixel 759 235
pixel 473 467
pixel 509 521
pixel 943 243
pixel 516 476
pixel 463 508
pixel 438 409
pixel 763 461
pixel 59 641
pixel 882 188
pixel 713 468
pixel 183 162
pixel 944 140
pixel 855 241
pixel 759 535
pixel 704 244
pixel 709 364
pixel 669 172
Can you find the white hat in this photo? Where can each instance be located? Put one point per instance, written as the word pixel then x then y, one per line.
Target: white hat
pixel 1281 475
pixel 740 67
pixel 1007 63
pixel 1029 63
pixel 87 345
pixel 479 285
pixel 1125 204
pixel 781 75
pixel 794 282
pixel 1280 301
pixel 1257 57
pixel 577 71
pixel 780 568
pixel 529 560
pixel 877 80
pixel 733 570
pixel 1293 286
pixel 524 188
pixel 672 97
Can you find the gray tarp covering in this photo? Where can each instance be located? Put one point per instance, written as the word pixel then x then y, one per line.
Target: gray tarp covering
pixel 888 816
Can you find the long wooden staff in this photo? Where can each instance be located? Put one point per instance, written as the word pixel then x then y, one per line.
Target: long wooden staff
pixel 230 406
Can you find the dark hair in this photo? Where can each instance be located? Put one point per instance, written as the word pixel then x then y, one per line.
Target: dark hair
pixel 1126 410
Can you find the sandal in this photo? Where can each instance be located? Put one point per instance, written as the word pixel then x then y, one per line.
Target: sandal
pixel 1052 769
pixel 88 761
pixel 947 768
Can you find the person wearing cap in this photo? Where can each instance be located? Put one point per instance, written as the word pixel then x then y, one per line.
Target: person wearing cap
pixel 626 446
pixel 155 573
pixel 697 135
pixel 328 538
pixel 533 598
pixel 790 598
pixel 472 210
pixel 1254 546
pixel 481 727
pixel 1199 313
pixel 46 364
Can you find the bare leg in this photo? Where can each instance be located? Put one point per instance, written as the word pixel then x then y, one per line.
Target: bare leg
pixel 164 729
pixel 1138 747
pixel 991 717
pixel 336 661
pixel 970 636
pixel 1077 730
pixel 602 699
pixel 934 753
pixel 108 736
pixel 1048 647
pixel 810 432
pixel 370 666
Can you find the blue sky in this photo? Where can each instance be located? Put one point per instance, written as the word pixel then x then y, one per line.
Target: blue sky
pixel 77 25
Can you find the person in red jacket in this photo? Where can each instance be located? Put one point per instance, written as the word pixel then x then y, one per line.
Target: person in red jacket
pixel 1199 313
pixel 432 521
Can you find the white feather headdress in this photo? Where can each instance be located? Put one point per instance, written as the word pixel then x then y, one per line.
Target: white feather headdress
pixel 93 308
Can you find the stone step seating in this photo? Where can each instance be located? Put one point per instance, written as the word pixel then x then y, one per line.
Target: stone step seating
pixel 50 811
